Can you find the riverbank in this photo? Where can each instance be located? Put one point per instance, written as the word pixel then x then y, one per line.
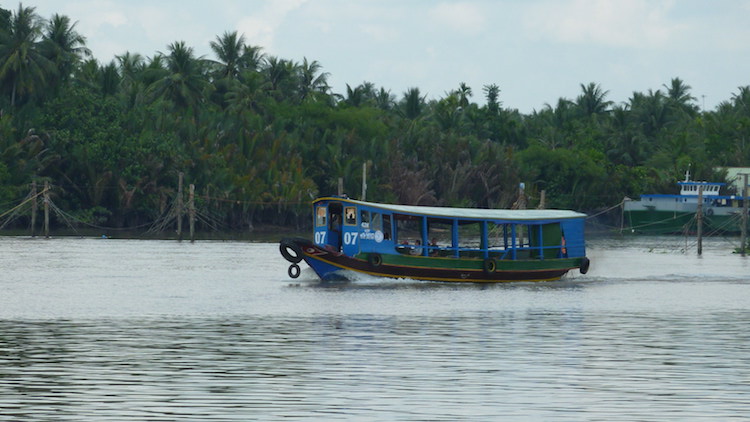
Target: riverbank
pixel 266 233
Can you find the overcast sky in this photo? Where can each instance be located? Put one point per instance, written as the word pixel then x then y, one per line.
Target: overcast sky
pixel 536 51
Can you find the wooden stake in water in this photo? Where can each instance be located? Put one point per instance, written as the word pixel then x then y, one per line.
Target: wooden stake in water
pixel 46 209
pixel 699 219
pixel 33 208
pixel 743 238
pixel 542 200
pixel 191 212
pixel 179 206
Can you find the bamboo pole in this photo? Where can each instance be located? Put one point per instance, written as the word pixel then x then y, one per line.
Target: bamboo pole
pixel 743 238
pixel 364 181
pixel 34 207
pixel 179 206
pixel 191 212
pixel 542 200
pixel 341 186
pixel 46 209
pixel 699 219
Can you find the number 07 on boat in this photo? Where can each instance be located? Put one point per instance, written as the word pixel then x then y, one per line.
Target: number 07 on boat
pixel 438 243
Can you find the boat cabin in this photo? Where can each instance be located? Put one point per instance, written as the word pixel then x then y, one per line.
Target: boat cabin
pixel 352 227
pixel 692 188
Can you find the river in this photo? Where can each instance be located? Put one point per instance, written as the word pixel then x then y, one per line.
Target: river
pixel 131 330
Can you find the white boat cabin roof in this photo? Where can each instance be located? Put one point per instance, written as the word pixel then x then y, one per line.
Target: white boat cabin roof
pixel 468 213
pixel 691 188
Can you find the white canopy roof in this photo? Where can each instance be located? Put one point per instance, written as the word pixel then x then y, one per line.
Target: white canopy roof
pixel 468 213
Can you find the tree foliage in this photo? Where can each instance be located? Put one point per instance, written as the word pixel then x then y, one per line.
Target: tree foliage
pixel 260 136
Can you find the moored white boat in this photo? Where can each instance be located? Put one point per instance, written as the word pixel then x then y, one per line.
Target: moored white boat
pixel 675 213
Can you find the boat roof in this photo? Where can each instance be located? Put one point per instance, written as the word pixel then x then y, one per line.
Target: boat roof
pixel 701 183
pixel 468 213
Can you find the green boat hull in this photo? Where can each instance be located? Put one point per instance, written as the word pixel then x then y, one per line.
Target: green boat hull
pixel 659 222
pixel 670 222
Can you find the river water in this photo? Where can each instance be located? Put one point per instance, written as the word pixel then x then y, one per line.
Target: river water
pixel 132 330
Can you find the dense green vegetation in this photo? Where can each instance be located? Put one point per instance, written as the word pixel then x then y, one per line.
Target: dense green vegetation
pixel 260 136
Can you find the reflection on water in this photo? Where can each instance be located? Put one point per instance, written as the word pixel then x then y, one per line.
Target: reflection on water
pixel 98 337
pixel 535 364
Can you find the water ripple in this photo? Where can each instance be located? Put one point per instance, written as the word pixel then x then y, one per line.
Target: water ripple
pixel 478 366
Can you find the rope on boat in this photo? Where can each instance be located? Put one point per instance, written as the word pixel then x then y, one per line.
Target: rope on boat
pixel 606 210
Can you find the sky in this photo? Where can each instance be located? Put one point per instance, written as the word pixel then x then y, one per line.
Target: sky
pixel 535 51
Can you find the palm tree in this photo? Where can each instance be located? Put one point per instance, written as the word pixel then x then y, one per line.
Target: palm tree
pixel 412 103
pixel 464 93
pixel 384 99
pixel 311 81
pixel 252 58
pixel 593 100
pixel 185 81
pixel 4 20
pixel 679 98
pixel 109 79
pixel 131 69
pixel 23 69
pixel 355 97
pixel 131 65
pixel 229 49
pixel 246 95
pixel 63 45
pixel 492 93
pixel 280 74
pixel 741 100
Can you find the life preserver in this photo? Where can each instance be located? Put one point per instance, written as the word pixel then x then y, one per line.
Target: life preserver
pixel 294 271
pixel 489 266
pixel 710 212
pixel 290 251
pixel 585 263
pixel 375 259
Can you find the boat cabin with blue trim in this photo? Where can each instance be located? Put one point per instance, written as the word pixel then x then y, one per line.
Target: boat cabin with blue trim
pixel 440 243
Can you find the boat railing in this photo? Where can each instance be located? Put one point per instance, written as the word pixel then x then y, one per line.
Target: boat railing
pixel 501 253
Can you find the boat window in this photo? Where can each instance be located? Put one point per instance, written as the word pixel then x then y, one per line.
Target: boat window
pixel 365 219
pixel 408 229
pixel 546 241
pixel 522 230
pixel 498 236
pixel 469 238
pixel 387 227
pixel 351 216
pixel 320 216
pixel 439 236
pixel 376 223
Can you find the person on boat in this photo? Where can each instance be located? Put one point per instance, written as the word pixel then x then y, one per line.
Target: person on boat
pixel 351 217
pixel 434 247
pixel 336 229
pixel 416 250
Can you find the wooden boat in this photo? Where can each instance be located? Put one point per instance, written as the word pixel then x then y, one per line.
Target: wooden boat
pixel 438 243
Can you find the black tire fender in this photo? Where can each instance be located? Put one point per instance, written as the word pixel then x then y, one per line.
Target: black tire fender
pixel 489 266
pixel 585 263
pixel 375 259
pixel 290 251
pixel 294 271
